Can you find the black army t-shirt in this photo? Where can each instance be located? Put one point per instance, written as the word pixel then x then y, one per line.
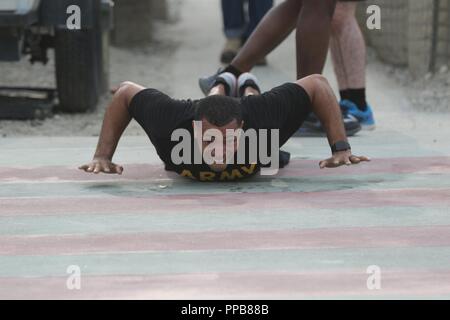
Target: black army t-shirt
pixel 284 108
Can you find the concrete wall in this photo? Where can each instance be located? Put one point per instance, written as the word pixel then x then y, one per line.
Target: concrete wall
pixel 389 42
pixel 414 34
pixel 420 35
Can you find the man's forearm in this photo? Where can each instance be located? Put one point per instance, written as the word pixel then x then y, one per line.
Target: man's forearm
pixel 329 114
pixel 115 122
pixel 324 105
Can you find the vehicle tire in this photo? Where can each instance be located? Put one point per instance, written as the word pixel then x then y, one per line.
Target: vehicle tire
pixel 76 70
pixel 82 70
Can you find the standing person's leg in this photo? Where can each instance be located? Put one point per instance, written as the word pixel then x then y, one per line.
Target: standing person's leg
pixel 313 21
pixel 313 36
pixel 257 9
pixel 348 50
pixel 234 27
pixel 276 25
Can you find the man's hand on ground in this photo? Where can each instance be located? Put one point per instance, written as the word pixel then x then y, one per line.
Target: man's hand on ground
pixel 102 165
pixel 342 158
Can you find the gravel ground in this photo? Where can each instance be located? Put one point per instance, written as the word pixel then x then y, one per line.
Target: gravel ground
pixel 161 63
pixel 430 93
pixel 148 67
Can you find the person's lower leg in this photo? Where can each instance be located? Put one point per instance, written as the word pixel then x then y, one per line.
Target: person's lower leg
pixel 313 35
pixel 233 18
pixel 234 27
pixel 272 30
pixel 257 9
pixel 348 51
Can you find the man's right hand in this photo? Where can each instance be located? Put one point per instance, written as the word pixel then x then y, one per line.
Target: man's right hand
pixel 102 165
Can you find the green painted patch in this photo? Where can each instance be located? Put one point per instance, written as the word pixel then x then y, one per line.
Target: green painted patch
pixel 208 220
pixel 150 188
pixel 227 261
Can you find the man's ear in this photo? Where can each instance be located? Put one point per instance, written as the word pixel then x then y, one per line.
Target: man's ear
pixel 242 124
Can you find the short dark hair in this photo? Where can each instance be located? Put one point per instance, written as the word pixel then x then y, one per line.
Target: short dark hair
pixel 218 110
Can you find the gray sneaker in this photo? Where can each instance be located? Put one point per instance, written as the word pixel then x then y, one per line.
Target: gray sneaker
pixel 206 83
pixel 227 79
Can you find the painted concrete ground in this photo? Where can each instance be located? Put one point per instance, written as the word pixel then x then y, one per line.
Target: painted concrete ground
pixel 306 233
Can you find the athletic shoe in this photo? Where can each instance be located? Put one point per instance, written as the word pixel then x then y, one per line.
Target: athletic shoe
pixel 226 78
pixel 229 81
pixel 246 80
pixel 313 128
pixel 365 118
pixel 206 83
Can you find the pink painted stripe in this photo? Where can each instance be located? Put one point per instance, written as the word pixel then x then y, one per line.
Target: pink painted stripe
pixel 425 165
pixel 229 240
pixel 61 174
pixel 297 168
pixel 229 201
pixel 241 285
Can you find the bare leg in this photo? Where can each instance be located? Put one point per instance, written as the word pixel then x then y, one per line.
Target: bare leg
pixel 313 34
pixel 348 51
pixel 348 48
pixel 313 21
pixel 273 29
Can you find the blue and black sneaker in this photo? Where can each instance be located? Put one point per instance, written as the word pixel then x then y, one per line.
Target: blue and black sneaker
pixel 365 118
pixel 313 128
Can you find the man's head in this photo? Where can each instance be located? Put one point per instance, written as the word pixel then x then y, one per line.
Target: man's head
pixel 220 113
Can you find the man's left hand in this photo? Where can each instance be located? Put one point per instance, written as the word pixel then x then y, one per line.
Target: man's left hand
pixel 342 158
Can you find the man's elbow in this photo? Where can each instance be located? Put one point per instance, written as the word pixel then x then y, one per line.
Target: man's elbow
pixel 314 84
pixel 125 93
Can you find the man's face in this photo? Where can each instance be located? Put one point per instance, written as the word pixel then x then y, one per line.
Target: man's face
pixel 229 144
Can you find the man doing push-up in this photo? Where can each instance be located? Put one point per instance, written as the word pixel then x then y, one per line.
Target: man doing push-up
pixel 197 139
